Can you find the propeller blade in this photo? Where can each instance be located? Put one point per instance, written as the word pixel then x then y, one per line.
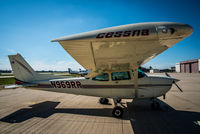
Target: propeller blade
pixel 174 81
pixel 178 87
pixel 167 74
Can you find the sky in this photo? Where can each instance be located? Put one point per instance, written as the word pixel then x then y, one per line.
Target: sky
pixel 28 26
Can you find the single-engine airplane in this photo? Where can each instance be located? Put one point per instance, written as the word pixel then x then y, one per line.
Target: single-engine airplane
pixel 113 55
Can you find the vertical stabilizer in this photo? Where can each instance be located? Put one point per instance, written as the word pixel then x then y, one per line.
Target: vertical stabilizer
pixel 21 69
pixel 24 72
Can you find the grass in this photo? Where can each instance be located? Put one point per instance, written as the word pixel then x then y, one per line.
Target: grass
pixel 6 81
pixel 6 74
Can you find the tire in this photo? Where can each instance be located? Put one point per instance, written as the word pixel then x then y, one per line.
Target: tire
pixel 117 112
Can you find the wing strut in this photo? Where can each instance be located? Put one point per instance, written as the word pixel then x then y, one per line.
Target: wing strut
pixel 135 80
pixel 92 50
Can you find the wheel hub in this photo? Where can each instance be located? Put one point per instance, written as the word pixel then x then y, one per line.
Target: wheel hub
pixel 117 112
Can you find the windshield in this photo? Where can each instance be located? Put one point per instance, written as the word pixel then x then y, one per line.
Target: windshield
pixel 141 74
pixel 120 76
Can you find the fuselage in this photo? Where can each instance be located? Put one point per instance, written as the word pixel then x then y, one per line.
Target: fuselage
pixel 100 86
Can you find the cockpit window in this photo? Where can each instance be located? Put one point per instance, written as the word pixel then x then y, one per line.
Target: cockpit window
pixel 102 77
pixel 141 74
pixel 120 76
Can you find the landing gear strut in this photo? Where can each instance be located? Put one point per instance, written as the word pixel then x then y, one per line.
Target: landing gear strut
pixel 118 100
pixel 155 105
pixel 103 101
pixel 117 111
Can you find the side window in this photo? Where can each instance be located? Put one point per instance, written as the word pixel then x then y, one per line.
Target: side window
pixel 102 77
pixel 120 76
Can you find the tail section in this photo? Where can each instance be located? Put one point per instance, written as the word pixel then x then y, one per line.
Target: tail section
pixel 21 69
pixel 24 72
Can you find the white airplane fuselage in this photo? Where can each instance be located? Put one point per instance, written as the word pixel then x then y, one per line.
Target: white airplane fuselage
pixel 148 87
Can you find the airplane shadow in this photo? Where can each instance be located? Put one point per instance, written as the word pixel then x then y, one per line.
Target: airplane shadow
pixel 167 120
pixel 48 108
pixel 143 119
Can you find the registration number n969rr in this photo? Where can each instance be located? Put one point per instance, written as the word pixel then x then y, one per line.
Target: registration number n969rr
pixel 66 84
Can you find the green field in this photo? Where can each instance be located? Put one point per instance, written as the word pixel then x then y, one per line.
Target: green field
pixel 6 74
pixel 6 81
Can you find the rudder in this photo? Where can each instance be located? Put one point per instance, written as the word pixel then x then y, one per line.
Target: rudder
pixel 21 69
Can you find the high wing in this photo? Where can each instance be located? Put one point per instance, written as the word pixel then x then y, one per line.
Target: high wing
pixel 123 47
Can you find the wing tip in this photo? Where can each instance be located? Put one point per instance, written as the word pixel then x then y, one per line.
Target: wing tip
pixel 54 40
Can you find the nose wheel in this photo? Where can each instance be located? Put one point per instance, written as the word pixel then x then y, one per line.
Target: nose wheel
pixel 117 110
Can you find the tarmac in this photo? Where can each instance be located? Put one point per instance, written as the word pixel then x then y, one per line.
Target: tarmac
pixel 41 112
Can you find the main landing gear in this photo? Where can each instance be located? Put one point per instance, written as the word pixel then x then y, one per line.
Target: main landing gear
pixel 117 111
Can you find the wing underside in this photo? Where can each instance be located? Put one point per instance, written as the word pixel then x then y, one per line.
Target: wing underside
pixel 113 55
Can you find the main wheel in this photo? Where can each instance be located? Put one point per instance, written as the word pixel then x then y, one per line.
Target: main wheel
pixel 103 100
pixel 117 112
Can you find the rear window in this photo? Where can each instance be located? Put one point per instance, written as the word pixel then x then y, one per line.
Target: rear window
pixel 102 77
pixel 120 76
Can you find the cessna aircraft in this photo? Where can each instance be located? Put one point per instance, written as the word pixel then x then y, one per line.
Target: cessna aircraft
pixel 113 55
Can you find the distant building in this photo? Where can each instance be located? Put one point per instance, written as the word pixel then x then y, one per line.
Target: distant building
pixel 189 66
pixel 154 71
pixel 178 68
pixel 173 69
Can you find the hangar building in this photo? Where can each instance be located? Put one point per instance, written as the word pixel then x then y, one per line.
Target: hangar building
pixel 189 66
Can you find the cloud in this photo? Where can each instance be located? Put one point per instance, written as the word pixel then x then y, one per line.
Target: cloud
pixel 5 64
pixel 57 66
pixel 12 51
pixel 40 65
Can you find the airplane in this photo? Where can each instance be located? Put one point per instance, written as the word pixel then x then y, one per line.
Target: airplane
pixel 80 72
pixel 113 55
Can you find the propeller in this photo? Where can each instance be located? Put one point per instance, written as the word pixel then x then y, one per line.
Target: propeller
pixel 177 86
pixel 173 82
